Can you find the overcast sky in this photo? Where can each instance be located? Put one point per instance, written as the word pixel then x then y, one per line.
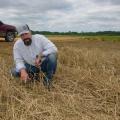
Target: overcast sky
pixel 62 15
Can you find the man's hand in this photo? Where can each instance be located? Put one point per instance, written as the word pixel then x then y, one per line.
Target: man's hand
pixel 38 61
pixel 24 75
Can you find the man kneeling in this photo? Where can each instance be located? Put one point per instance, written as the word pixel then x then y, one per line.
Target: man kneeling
pixel 33 53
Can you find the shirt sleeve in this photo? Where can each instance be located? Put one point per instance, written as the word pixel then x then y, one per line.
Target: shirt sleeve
pixel 18 59
pixel 48 46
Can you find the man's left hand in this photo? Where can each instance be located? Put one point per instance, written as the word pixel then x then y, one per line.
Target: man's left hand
pixel 38 61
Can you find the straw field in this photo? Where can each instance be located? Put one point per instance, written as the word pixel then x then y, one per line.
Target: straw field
pixel 87 83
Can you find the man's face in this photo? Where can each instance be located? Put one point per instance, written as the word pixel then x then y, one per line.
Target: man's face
pixel 27 38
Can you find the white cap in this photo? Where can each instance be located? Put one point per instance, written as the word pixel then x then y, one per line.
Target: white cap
pixel 23 29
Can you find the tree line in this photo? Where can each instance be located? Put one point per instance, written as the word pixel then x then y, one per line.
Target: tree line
pixel 111 33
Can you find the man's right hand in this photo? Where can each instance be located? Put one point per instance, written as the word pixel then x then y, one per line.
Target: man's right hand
pixel 24 75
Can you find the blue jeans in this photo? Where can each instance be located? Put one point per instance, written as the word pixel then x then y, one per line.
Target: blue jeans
pixel 48 66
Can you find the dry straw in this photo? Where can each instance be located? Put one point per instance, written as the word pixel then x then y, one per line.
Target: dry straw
pixel 87 84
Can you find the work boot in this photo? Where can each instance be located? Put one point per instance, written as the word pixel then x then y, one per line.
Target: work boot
pixel 47 83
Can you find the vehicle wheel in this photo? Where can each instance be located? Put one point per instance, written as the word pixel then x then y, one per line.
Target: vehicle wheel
pixel 10 36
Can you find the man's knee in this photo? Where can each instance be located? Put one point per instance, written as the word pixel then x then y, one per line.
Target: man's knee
pixel 14 73
pixel 52 58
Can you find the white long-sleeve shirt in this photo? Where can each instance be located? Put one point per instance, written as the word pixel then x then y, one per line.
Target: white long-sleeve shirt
pixel 27 54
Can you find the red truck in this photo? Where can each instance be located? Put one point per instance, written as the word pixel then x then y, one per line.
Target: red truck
pixel 7 31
